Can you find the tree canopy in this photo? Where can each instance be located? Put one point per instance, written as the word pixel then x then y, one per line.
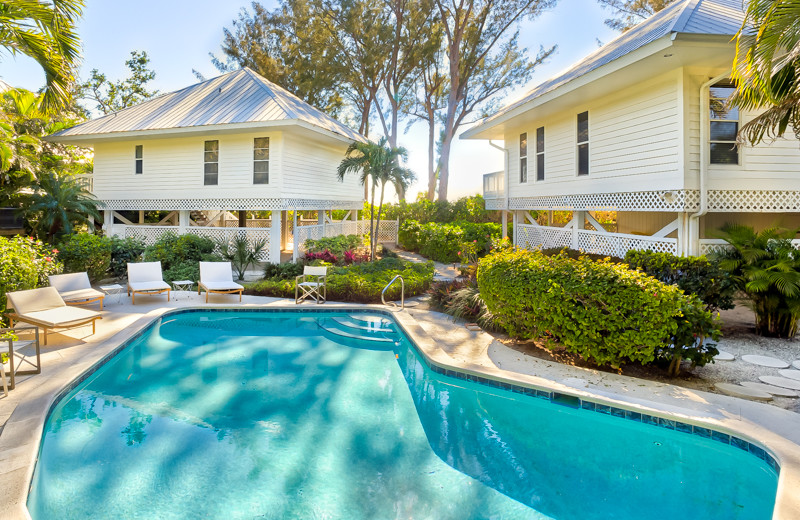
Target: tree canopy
pixel 110 96
pixel 627 13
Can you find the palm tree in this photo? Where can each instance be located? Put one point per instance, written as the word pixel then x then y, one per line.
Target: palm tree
pixel 58 203
pixel 45 31
pixel 767 69
pixel 379 163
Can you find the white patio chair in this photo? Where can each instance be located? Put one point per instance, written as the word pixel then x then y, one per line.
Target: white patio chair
pixel 146 278
pixel 45 309
pixel 312 283
pixel 217 277
pixel 76 289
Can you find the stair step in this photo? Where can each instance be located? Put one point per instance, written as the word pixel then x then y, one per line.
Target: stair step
pixel 370 319
pixel 342 332
pixel 372 326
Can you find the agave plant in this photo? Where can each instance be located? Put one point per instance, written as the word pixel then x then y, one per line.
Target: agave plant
pixel 766 267
pixel 241 253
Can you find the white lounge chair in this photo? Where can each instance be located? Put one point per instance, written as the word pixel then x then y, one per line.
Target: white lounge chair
pixel 312 283
pixel 76 289
pixel 146 278
pixel 217 277
pixel 45 309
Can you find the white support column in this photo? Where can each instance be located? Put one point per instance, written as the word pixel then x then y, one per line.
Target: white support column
pixel 183 221
pixel 693 236
pixel 275 238
pixel 515 221
pixel 504 223
pixel 295 244
pixel 141 216
pixel 108 223
pixel 578 222
pixel 321 218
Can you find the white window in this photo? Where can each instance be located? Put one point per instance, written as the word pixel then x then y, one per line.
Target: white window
pixel 724 122
pixel 139 154
pixel 583 143
pixel 261 160
pixel 211 163
pixel 540 153
pixel 523 158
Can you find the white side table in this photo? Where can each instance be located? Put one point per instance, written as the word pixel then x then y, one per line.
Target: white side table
pixel 113 290
pixel 182 285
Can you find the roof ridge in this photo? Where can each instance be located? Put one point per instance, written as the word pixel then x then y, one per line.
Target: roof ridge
pixel 686 13
pixel 259 79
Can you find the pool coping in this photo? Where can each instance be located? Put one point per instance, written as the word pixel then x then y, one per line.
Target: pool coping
pixel 20 439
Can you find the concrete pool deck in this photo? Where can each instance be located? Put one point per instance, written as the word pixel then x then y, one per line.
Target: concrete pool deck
pixel 444 343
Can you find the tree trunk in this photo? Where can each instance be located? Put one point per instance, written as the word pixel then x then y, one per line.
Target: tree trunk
pixel 371 224
pixel 675 365
pixel 378 222
pixel 444 166
pixel 431 167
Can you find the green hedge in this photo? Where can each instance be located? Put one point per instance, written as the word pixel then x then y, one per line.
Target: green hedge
pixel 180 255
pixel 25 263
pixel 605 312
pixel 693 274
pixel 86 252
pixel 360 282
pixel 442 242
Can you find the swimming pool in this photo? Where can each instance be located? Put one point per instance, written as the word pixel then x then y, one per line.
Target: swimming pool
pixel 258 414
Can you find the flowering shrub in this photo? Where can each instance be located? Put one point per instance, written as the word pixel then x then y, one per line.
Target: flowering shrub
pixel 325 256
pixel 25 263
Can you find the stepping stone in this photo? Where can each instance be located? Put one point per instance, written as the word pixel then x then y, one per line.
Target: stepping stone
pixel 782 382
pixel 774 390
pixel 791 374
pixel 765 361
pixel 724 356
pixel 796 364
pixel 743 392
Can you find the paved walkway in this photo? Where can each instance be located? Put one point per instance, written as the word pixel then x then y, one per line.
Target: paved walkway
pixel 441 271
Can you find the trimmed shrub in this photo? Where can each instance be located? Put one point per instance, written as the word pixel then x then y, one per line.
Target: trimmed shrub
pixel 180 255
pixel 86 252
pixel 693 274
pixel 442 242
pixel 284 271
pixel 359 282
pixel 605 312
pixel 124 250
pixel 25 263
pixel 575 254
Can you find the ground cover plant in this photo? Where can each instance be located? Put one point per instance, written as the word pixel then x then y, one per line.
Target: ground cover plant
pixel 361 283
pixel 25 263
pixel 605 312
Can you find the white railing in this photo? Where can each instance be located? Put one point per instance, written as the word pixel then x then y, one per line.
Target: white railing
pixel 387 231
pixel 712 245
pixel 150 234
pixel 251 223
pixel 493 185
pixel 613 244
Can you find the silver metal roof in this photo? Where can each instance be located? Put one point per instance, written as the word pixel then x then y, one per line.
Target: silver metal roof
pixel 714 17
pixel 237 97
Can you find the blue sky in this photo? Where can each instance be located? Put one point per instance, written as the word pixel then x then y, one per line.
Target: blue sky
pixel 178 35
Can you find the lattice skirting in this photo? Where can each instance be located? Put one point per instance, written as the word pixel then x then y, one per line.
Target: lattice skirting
pixel 612 244
pixel 253 204
pixel 746 201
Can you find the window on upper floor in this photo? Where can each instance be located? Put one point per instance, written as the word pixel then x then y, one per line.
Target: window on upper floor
pixel 139 154
pixel 523 158
pixel 261 160
pixel 540 153
pixel 724 124
pixel 583 143
pixel 211 163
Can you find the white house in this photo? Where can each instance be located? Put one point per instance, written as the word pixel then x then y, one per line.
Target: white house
pixel 640 127
pixel 233 143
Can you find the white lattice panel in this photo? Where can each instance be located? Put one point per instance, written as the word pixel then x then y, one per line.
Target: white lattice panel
pixel 255 204
pixel 252 235
pixel 677 200
pixel 251 223
pixel 542 237
pixel 617 244
pixel 760 201
pixel 149 234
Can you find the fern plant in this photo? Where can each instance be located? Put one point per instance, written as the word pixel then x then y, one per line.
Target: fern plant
pixel 766 268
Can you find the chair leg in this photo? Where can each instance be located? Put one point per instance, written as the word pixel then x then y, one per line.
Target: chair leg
pixel 240 296
pixel 167 294
pixel 94 328
pixel 133 298
pixel 3 375
pixel 45 335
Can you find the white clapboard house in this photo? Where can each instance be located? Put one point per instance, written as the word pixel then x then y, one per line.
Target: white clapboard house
pixel 234 143
pixel 640 127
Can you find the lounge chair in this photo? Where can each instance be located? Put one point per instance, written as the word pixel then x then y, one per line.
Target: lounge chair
pixel 312 283
pixel 146 278
pixel 76 289
pixel 217 277
pixel 46 309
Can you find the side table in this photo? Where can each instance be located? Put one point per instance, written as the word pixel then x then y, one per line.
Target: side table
pixel 182 285
pixel 113 290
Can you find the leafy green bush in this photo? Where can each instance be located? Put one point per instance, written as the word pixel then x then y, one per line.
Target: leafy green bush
pixel 605 312
pixel 180 255
pixel 124 250
pixel 25 263
pixel 284 271
pixel 336 245
pixel 575 254
pixel 766 267
pixel 86 252
pixel 693 274
pixel 466 209
pixel 442 242
pixel 359 282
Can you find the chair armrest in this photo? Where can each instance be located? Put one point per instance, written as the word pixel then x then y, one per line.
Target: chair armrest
pixel 298 277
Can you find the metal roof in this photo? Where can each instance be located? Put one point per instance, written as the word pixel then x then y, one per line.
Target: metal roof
pixel 714 17
pixel 237 97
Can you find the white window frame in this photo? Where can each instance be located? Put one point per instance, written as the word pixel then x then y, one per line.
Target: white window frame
pixel 738 122
pixel 523 158
pixel 205 162
pixel 540 153
pixel 578 145
pixel 260 160
pixel 138 159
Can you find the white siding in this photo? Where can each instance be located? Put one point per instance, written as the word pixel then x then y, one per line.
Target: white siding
pixel 634 144
pixel 309 170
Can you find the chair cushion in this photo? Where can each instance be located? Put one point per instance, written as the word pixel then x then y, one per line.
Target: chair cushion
pixel 148 286
pixel 310 284
pixel 220 286
pixel 81 294
pixel 216 272
pixel 69 282
pixel 24 302
pixel 60 317
pixel 144 272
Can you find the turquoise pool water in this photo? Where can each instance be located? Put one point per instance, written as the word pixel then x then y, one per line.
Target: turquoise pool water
pixel 266 415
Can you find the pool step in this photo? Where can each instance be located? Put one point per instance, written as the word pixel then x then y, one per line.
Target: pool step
pixel 353 333
pixel 374 324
